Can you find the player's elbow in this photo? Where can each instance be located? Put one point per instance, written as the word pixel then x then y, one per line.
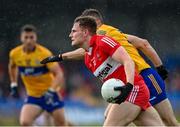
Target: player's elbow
pixel 144 44
pixel 11 68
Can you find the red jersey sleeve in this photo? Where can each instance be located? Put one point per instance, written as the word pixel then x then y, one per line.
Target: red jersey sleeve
pixel 108 45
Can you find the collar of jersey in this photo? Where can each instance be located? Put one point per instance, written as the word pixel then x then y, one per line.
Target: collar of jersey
pixel 93 40
pixel 34 50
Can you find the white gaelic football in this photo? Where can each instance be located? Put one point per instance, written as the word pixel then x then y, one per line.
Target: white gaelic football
pixel 107 89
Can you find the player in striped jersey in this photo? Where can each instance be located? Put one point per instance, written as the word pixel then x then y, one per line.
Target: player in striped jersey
pixel 106 59
pixel 41 82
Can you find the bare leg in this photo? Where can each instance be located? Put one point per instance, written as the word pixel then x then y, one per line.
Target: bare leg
pixel 123 114
pixel 59 118
pixel 47 119
pixel 165 111
pixel 149 117
pixel 29 113
pixel 107 110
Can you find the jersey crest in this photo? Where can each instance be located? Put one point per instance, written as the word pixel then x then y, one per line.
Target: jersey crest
pixel 101 32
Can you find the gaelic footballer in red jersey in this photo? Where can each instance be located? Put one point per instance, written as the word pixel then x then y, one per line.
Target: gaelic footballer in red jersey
pixel 105 58
pixel 99 60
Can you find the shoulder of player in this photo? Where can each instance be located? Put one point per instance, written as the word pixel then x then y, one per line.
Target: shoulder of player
pixel 43 49
pixel 106 40
pixel 106 30
pixel 109 27
pixel 15 50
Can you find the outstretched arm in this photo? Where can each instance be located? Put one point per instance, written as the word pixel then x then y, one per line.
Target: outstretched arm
pixel 149 51
pixel 77 54
pixel 146 48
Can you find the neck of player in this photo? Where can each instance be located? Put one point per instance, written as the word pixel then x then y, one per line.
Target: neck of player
pixel 29 49
pixel 85 44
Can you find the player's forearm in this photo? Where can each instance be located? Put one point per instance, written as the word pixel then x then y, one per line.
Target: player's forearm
pixel 146 48
pixel 152 55
pixel 122 56
pixel 13 73
pixel 129 71
pixel 58 80
pixel 77 54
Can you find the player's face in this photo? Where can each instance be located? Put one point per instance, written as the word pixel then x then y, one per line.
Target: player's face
pixel 29 40
pixel 77 35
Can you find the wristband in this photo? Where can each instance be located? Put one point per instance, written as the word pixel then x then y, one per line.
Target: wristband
pixel 52 90
pixel 13 84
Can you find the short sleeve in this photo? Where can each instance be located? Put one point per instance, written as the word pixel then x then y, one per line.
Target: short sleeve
pixel 11 57
pixel 108 45
pixel 117 35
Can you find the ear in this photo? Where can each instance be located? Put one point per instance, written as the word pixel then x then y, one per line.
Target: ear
pixel 86 32
pixel 98 22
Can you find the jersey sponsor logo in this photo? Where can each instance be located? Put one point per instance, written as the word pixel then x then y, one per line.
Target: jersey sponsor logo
pixel 109 41
pixel 104 72
pixel 29 70
pixel 106 68
pixel 33 71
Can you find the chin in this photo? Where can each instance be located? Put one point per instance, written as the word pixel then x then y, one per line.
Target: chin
pixel 73 44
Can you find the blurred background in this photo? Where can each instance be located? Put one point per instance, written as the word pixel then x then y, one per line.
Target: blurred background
pixel 158 21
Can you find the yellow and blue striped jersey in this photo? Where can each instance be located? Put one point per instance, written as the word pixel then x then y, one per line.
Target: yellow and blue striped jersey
pixel 36 77
pixel 122 39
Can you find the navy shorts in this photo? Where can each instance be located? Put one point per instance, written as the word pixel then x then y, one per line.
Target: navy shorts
pixel 48 103
pixel 155 84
